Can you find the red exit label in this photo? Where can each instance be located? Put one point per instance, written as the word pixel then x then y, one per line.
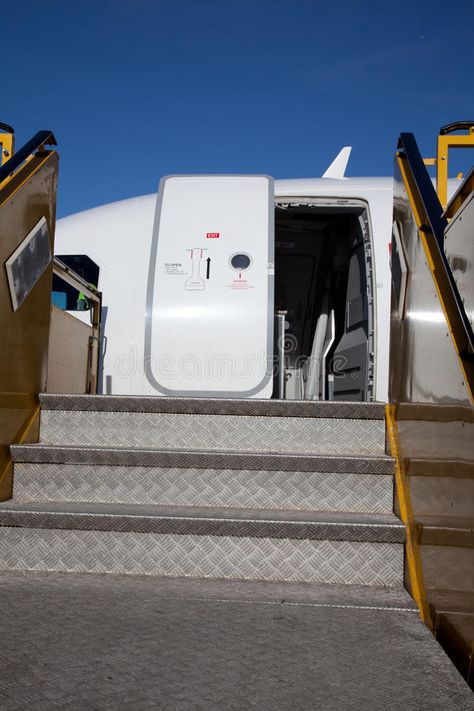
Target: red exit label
pixel 213 235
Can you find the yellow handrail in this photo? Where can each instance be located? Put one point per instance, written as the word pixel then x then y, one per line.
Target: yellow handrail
pixel 440 278
pixel 446 141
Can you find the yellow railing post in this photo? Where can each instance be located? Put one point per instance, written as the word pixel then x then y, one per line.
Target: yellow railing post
pixel 445 142
pixel 7 143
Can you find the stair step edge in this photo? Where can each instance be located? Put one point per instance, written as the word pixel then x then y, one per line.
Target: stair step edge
pixel 376 528
pixel 200 459
pixel 214 406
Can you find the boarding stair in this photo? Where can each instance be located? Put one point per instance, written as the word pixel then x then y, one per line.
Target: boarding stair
pixel 189 553
pixel 258 490
pixel 436 419
pixel 268 530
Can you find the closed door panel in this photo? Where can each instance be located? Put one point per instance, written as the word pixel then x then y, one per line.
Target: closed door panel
pixel 209 322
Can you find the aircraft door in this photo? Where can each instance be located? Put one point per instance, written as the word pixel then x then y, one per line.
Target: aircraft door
pixel 210 301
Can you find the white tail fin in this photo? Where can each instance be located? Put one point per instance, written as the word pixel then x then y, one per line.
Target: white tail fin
pixel 338 166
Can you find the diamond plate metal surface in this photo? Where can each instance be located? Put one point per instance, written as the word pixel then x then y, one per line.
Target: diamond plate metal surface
pixel 246 591
pixel 123 456
pixel 254 434
pixel 204 487
pixel 91 642
pixel 214 406
pixel 201 556
pixel 205 521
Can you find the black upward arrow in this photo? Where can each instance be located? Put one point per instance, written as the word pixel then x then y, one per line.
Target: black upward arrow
pixel 208 271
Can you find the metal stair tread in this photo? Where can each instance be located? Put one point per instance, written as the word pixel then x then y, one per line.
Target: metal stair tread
pixel 223 487
pixel 205 521
pixel 451 600
pixel 455 632
pixel 215 406
pixel 265 592
pixel 455 522
pixel 201 459
pixel 446 530
pixel 196 654
pixel 459 469
pixel 286 435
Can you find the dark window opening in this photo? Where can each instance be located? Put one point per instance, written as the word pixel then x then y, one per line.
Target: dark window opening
pixel 65 296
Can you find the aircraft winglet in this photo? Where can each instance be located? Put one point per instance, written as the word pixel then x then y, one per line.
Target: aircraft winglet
pixel 338 166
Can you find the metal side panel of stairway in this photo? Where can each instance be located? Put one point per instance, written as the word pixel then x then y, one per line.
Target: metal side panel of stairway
pixel 261 490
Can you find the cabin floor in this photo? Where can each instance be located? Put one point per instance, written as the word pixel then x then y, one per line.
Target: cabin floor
pixel 87 641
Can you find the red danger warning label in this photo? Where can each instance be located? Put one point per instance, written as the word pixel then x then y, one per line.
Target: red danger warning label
pixel 213 235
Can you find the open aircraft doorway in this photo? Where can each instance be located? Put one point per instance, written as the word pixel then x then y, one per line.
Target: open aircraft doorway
pixel 324 300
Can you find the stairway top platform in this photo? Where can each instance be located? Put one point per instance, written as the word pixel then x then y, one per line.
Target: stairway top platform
pixel 214 406
pixel 116 642
pixel 199 459
pixel 205 521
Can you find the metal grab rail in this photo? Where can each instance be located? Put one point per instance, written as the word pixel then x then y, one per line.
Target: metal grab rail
pixel 455 126
pixel 71 277
pixel 95 296
pixel 436 223
pixel 34 145
pixel 431 223
pixel 447 140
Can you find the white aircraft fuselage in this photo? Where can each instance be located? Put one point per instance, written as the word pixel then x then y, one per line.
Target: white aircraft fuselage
pixel 118 238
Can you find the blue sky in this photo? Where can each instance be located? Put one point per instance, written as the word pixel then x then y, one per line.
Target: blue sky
pixel 137 89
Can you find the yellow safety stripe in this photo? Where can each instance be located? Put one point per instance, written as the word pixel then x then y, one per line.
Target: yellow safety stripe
pixel 446 142
pixel 29 173
pixel 22 434
pixel 412 547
